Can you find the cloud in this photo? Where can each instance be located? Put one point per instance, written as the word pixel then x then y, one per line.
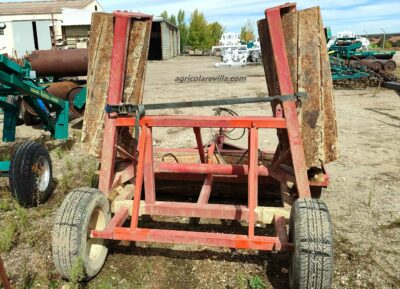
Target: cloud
pixel 356 15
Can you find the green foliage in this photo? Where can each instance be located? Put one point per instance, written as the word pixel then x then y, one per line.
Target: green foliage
pixel 255 282
pixel 397 43
pixel 198 36
pixel 183 29
pixel 28 277
pixel 13 227
pixel 8 231
pixel 164 15
pixel 388 44
pixel 373 46
pixel 5 204
pixel 22 217
pixel 77 273
pixel 172 19
pixel 215 31
pixel 241 282
pixel 247 31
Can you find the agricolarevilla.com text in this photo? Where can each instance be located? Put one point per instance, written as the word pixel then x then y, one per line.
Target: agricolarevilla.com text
pixel 217 78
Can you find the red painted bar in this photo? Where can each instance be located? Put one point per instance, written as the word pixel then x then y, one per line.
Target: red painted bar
pixel 118 219
pixel 200 146
pixel 215 169
pixel 139 178
pixel 206 190
pixel 114 96
pixel 273 17
pixel 253 179
pixel 205 121
pixel 4 278
pixel 198 238
pixel 149 181
pixel 217 178
pixel 211 211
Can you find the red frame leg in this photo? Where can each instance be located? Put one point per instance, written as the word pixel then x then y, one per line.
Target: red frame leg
pixel 274 19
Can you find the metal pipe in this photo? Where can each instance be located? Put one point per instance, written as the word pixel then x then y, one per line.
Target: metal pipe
pixel 206 169
pixel 61 89
pixel 59 63
pixel 384 39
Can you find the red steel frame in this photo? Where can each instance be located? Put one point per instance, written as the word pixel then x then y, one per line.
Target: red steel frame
pixel 145 170
pixel 3 276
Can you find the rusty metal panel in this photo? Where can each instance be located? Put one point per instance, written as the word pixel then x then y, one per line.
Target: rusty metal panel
pixel 100 54
pixel 310 72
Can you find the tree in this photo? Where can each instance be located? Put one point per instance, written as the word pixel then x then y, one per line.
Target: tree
pixel 183 29
pixel 215 31
pixel 247 31
pixel 172 19
pixel 388 44
pixel 164 15
pixel 198 32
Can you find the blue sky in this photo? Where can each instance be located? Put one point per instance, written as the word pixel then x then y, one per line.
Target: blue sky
pixel 354 15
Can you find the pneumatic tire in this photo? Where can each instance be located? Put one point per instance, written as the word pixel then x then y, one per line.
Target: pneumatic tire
pixel 30 174
pixel 83 209
pixel 310 231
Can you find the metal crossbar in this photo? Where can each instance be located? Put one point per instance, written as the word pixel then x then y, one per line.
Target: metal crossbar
pixel 133 108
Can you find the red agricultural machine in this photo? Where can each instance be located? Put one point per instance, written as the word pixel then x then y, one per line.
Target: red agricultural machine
pixel 89 217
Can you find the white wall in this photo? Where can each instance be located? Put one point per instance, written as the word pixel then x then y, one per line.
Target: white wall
pixel 7 40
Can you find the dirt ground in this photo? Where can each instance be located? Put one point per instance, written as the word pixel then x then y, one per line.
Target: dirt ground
pixel 362 197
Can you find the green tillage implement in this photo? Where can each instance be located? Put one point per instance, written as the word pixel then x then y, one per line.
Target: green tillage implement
pixel 15 81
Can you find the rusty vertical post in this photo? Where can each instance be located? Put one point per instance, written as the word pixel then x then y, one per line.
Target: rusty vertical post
pixel 139 178
pixel 149 180
pixel 273 16
pixel 252 179
pixel 115 91
pixel 3 275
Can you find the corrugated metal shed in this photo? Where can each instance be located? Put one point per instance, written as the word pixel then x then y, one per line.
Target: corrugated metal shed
pixel 164 42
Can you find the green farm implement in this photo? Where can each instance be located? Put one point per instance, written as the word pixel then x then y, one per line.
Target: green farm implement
pixel 353 66
pixel 29 170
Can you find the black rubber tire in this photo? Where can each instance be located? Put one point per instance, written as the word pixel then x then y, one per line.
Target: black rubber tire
pixel 23 174
pixel 70 232
pixel 310 231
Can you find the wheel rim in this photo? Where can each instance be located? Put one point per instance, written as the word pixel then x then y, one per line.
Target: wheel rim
pixel 94 247
pixel 42 172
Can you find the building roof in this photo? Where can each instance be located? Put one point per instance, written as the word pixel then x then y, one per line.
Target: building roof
pixel 160 19
pixel 41 7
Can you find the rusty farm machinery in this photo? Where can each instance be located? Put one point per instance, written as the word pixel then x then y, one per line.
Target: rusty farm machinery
pixel 89 217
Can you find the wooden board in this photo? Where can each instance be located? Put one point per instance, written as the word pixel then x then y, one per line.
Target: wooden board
pixel 100 53
pixel 310 72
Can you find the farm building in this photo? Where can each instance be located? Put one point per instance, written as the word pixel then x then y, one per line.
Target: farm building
pixel 45 24
pixel 164 41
